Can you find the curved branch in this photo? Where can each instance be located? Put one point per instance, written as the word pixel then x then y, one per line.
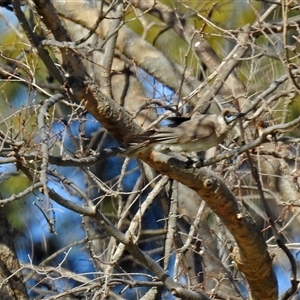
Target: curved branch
pixel 43 54
pixel 131 45
pixel 252 256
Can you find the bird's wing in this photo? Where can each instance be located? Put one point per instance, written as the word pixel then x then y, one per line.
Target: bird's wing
pixel 199 130
pixel 187 131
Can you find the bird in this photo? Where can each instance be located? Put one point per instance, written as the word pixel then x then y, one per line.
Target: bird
pixel 199 133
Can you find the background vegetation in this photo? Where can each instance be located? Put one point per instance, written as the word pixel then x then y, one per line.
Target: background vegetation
pixel 79 80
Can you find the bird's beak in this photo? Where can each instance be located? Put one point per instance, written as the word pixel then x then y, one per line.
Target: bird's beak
pixel 240 115
pixel 231 117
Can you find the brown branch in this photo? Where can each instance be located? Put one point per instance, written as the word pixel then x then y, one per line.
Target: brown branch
pixel 194 38
pixel 252 256
pixel 43 54
pixel 131 45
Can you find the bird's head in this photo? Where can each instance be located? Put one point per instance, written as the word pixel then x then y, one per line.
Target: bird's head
pixel 231 115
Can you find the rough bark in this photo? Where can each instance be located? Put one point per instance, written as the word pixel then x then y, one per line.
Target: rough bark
pixel 12 287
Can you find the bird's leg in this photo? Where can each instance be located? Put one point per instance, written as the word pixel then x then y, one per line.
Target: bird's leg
pixel 194 161
pixel 198 164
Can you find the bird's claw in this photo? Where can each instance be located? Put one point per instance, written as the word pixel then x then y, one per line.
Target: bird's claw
pixel 194 163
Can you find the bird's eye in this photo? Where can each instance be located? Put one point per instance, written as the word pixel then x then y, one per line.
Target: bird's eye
pixel 229 117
